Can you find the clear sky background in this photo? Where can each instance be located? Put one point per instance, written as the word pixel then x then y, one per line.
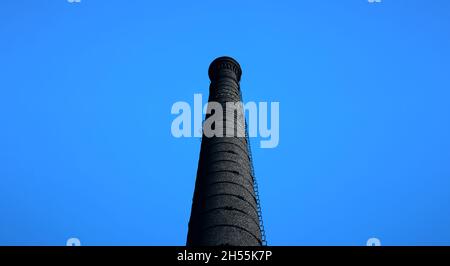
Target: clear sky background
pixel 86 91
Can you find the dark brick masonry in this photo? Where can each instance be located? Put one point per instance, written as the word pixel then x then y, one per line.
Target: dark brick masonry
pixel 224 208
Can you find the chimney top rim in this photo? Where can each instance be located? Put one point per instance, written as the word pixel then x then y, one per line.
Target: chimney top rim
pixel 215 65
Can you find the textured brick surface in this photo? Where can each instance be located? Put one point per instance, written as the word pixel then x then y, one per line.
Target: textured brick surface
pixel 224 208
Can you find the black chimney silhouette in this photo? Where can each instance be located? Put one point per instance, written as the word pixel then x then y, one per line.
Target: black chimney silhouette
pixel 225 207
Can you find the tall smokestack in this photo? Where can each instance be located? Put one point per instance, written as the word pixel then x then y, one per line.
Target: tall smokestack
pixel 225 208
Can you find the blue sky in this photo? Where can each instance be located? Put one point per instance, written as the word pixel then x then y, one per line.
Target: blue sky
pixel 86 91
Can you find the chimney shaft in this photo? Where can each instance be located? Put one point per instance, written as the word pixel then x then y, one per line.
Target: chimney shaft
pixel 224 207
